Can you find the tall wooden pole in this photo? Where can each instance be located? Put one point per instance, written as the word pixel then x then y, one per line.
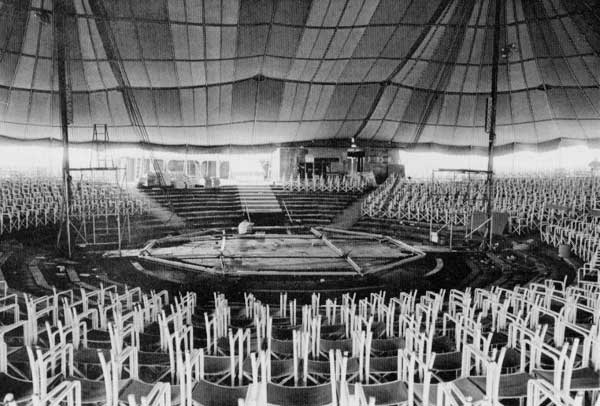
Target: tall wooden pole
pixel 492 118
pixel 61 61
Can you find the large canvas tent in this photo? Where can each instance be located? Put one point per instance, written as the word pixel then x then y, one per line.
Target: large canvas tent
pixel 411 73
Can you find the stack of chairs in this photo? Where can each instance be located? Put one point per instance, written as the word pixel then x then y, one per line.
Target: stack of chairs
pixel 581 233
pixel 590 270
pixel 424 202
pixel 331 184
pixel 105 199
pixel 557 207
pixel 378 200
pixel 536 344
pixel 481 347
pixel 30 202
pixel 533 344
pixel 102 346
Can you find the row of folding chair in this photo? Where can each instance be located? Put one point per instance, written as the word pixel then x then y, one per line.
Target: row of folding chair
pixel 331 184
pixel 556 206
pixel 27 203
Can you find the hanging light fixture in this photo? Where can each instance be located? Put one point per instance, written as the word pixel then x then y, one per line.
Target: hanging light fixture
pixel 507 50
pixel 355 151
pixel 302 152
pixel 44 16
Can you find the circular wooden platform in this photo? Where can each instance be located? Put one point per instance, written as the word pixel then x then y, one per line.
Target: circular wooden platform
pixel 323 252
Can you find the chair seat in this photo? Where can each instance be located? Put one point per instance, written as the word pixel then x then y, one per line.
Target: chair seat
pixel 545 374
pixel 89 356
pixel 470 387
pixel 512 358
pixel 581 379
pixel 319 395
pixel 389 393
pixel 216 365
pixel 384 364
pixel 512 386
pixel 19 354
pixel 333 331
pixel 284 333
pixel 433 389
pixel 21 390
pixel 153 358
pixel 139 389
pixel 585 379
pixel 279 368
pixel 210 394
pixel 283 347
pixel 387 344
pixel 342 345
pixel 95 391
pixel 449 361
pixel 443 344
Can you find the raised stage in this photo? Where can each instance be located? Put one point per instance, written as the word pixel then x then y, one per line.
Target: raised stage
pixel 320 252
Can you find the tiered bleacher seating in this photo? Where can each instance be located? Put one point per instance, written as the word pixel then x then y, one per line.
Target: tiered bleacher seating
pixel 210 207
pixel 224 206
pixel 538 343
pixel 555 206
pixel 30 202
pixel 315 208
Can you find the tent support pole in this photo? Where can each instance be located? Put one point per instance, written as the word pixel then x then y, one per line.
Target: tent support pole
pixel 61 56
pixel 492 120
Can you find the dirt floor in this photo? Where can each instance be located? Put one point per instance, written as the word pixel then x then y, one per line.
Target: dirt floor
pixel 504 267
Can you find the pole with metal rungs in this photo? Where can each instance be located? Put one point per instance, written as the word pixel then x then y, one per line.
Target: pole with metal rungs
pixel 491 120
pixel 61 58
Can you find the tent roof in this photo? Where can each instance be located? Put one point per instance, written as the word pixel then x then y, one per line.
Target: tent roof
pixel 250 72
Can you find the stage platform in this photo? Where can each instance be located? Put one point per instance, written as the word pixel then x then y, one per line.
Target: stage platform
pixel 317 252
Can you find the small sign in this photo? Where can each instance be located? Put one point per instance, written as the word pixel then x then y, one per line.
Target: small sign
pixel 488 115
pixel 69 102
pixel 434 237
